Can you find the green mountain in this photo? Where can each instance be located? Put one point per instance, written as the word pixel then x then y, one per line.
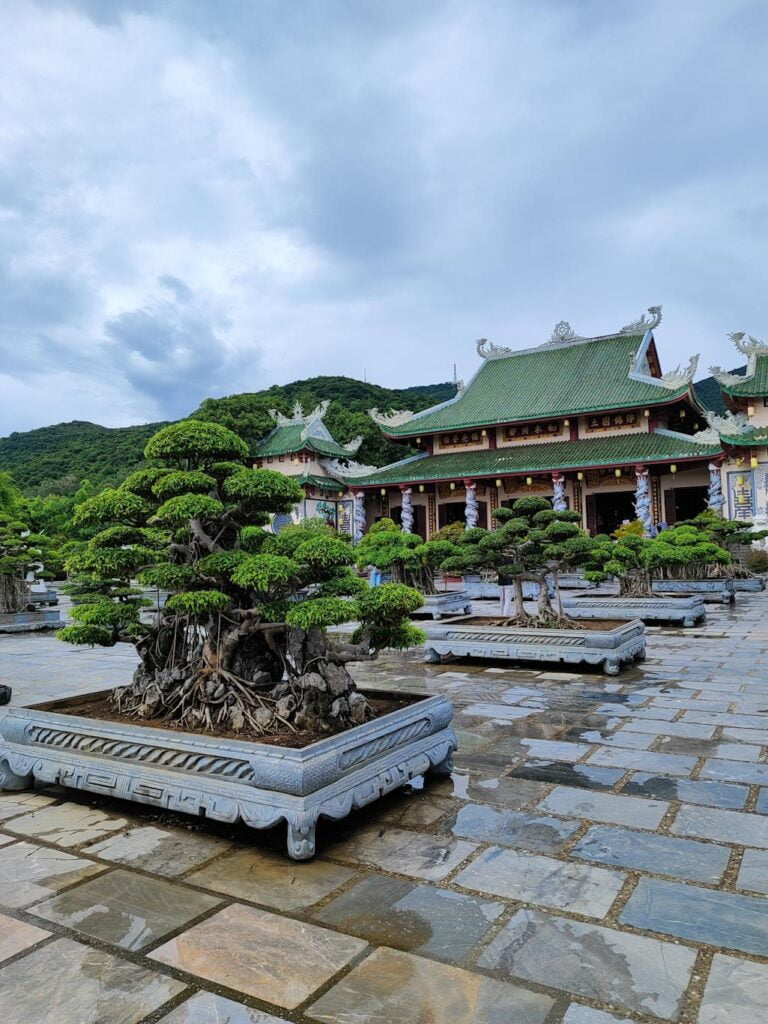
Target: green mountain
pixel 53 460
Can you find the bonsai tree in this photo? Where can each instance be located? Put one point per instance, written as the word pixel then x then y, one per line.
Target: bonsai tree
pixel 532 542
pixel 635 561
pixel 20 554
pixel 410 560
pixel 241 644
pixel 728 534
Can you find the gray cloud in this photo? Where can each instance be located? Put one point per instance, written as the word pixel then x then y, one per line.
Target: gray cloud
pixel 203 199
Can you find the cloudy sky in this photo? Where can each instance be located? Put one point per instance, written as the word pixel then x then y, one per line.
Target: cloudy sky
pixel 200 198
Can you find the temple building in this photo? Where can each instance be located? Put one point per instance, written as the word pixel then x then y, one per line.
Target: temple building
pixel 593 424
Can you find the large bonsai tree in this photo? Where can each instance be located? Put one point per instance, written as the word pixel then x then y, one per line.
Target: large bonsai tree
pixel 683 552
pixel 729 534
pixel 532 542
pixel 406 556
pixel 21 552
pixel 241 644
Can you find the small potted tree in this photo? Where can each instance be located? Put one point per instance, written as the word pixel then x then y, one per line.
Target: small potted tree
pixel 242 706
pixel 688 561
pixel 533 542
pixel 410 560
pixel 21 555
pixel 736 536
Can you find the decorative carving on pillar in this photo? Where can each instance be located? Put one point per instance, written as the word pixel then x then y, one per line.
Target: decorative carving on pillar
pixel 432 513
pixel 577 498
pixel 643 509
pixel 559 502
pixel 471 511
pixel 406 510
pixel 715 498
pixel 358 521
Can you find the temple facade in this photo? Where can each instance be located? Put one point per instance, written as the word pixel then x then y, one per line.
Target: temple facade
pixel 592 424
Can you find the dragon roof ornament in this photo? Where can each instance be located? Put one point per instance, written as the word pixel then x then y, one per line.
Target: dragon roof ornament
pixel 487 350
pixel 341 470
pixel 751 349
pixel 391 419
pixel 299 416
pixel 643 323
pixel 680 376
pixel 731 424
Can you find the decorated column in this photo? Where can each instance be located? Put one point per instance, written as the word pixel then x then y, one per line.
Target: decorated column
pixel 358 519
pixel 559 502
pixel 470 504
pixel 643 501
pixel 715 498
pixel 406 510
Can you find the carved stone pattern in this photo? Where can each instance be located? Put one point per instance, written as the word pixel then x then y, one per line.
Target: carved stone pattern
pixel 123 750
pixel 643 509
pixel 715 498
pixel 562 334
pixel 559 502
pixel 471 510
pixel 391 419
pixel 365 751
pixel 406 511
pixel 487 350
pixel 358 518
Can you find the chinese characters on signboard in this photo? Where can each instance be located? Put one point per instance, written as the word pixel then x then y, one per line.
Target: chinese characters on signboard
pixel 612 420
pixel 533 431
pixel 741 495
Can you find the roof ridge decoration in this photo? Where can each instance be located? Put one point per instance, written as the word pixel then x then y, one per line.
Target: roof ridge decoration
pixel 356 469
pixel 680 377
pixel 563 334
pixel 487 350
pixel 299 416
pixel 751 349
pixel 643 323
pixel 396 418
pixel 732 424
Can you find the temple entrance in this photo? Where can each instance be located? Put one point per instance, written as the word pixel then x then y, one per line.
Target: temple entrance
pixel 684 503
pixel 454 512
pixel 606 512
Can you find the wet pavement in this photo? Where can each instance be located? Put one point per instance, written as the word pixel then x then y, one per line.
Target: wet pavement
pixel 599 856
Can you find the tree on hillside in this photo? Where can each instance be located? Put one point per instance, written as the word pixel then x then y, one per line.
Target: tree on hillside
pixel 242 643
pixel 531 543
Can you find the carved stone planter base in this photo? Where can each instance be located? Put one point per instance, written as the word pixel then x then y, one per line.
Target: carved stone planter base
pixel 29 622
pixel 718 591
pixel 687 610
pixel 476 637
pixel 752 585
pixel 451 602
pixel 479 589
pixel 229 780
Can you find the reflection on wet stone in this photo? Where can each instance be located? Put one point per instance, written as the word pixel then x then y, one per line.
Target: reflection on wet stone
pixel 29 873
pixel 644 851
pixel 155 849
pixel 511 828
pixel 713 794
pixel 428 857
pixel 735 993
pixel 398 988
pixel 506 792
pixel 206 1008
pixel 74 984
pixel 599 963
pixel 126 909
pixel 584 776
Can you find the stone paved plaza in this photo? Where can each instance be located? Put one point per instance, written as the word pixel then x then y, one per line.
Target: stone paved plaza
pixel 600 856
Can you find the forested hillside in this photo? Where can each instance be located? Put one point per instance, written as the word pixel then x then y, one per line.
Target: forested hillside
pixel 54 460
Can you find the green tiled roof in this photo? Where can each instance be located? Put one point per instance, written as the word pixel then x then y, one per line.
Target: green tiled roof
pixel 324 483
pixel 755 438
pixel 710 394
pixel 544 382
pixel 288 439
pixel 753 387
pixel 620 449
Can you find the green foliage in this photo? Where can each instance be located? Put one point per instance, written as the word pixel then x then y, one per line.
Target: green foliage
pixel 142 481
pixel 108 614
pixel 321 611
pixel 728 533
pixel 198 602
pixel 634 528
pixel 221 563
pixel 266 573
pixel 180 510
pixel 384 615
pixel 93 636
pixel 192 444
pixel 168 577
pixel 451 532
pixel 253 538
pixel 263 490
pixel 191 481
pixel 112 506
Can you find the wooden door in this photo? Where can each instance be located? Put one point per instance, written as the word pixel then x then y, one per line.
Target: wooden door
pixel 670 511
pixel 590 504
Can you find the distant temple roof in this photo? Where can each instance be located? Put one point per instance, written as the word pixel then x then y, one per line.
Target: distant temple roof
pixel 588 453
pixel 568 375
pixel 304 432
pixel 752 380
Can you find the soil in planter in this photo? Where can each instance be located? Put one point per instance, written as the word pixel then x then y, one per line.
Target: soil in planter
pixel 102 710
pixel 500 620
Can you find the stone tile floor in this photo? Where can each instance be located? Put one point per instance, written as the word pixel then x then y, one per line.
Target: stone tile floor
pixel 599 856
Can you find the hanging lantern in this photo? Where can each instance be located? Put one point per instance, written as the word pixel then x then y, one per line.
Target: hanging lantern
pixel 753 462
pixel 452 485
pixel 646 413
pixel 498 483
pixel 383 491
pixel 682 414
pixel 421 488
pixel 579 475
pixel 617 472
pixel 418 440
pixel 483 433
pixel 673 468
pixel 566 423
pixel 529 480
pixel 750 410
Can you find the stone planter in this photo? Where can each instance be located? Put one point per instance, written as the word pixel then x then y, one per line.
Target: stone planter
pixel 686 609
pixel 720 590
pixel 449 602
pixel 30 622
pixel 229 780
pixel 574 581
pixel 750 585
pixel 477 637
pixel 48 596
